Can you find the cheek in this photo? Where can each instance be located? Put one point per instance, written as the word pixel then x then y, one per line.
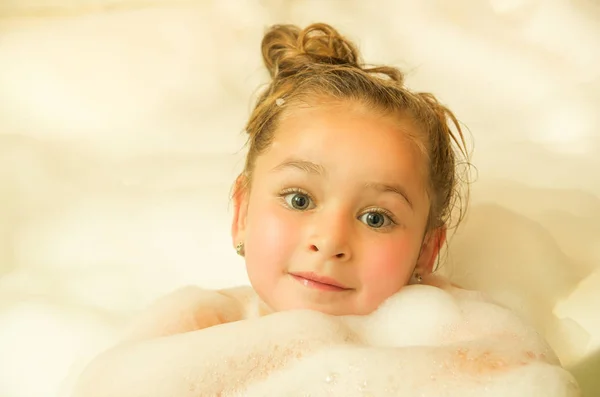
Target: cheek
pixel 389 265
pixel 271 233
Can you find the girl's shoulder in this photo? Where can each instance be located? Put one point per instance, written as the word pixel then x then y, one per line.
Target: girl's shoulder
pixel 250 304
pixel 192 308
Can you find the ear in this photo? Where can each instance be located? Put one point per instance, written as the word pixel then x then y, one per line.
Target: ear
pixel 240 210
pixel 432 243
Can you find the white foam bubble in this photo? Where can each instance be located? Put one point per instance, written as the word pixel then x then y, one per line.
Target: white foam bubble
pixel 470 347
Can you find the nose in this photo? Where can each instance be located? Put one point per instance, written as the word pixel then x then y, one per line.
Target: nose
pixel 330 236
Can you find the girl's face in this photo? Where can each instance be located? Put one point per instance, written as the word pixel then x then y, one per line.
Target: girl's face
pixel 336 215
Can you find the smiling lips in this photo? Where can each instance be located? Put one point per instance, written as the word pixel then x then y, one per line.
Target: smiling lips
pixel 312 280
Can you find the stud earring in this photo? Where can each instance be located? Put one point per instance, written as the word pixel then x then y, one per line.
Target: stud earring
pixel 416 278
pixel 239 249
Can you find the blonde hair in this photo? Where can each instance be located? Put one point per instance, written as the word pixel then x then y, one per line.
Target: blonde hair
pixel 318 62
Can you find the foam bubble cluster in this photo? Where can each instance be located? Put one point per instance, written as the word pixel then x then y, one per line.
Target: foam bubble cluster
pixel 424 341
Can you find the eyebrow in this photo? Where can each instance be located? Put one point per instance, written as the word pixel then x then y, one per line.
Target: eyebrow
pixel 317 169
pixel 384 187
pixel 302 165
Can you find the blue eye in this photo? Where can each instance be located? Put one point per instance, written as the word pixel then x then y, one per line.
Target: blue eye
pixel 375 219
pixel 298 201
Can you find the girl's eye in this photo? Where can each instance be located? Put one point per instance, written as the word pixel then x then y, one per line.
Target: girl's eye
pixel 298 201
pixel 375 219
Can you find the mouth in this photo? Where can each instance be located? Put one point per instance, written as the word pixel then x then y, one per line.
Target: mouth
pixel 312 280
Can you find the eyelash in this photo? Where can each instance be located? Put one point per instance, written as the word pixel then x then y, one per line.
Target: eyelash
pixel 381 211
pixel 289 191
pixel 385 212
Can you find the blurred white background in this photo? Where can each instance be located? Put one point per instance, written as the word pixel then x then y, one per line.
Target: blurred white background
pixel 121 133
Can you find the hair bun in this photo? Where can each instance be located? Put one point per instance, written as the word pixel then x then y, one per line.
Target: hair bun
pixel 287 49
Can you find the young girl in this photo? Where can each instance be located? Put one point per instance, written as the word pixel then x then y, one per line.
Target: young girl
pixel 349 179
pixel 345 197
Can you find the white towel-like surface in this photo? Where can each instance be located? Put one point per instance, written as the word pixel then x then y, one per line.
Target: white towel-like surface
pixel 120 136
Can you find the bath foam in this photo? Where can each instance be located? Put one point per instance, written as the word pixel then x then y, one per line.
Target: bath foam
pixel 424 341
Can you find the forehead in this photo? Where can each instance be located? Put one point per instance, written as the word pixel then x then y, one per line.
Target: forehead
pixel 351 140
pixel 336 129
